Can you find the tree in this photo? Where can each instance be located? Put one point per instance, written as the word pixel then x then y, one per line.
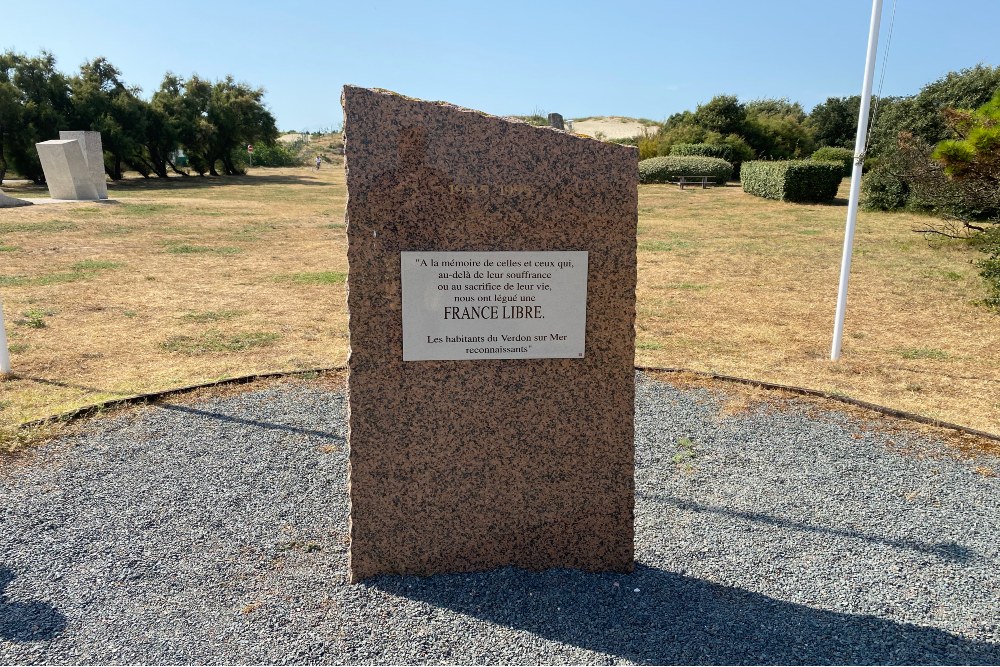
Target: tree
pixel 777 129
pixel 10 107
pixel 239 117
pixel 213 121
pixel 835 122
pixel 103 103
pixel 723 114
pixel 922 115
pixel 976 153
pixel 34 106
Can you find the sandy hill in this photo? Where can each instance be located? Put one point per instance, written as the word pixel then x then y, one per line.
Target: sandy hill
pixel 614 127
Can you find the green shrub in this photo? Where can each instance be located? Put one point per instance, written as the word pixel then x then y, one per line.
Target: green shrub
pixel 791 180
pixel 883 190
pixel 845 156
pixel 663 169
pixel 733 149
pixel 274 155
pixel 648 147
pixel 989 268
pixel 704 150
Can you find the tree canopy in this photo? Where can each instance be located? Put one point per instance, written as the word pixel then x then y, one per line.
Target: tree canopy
pixel 210 121
pixel 976 153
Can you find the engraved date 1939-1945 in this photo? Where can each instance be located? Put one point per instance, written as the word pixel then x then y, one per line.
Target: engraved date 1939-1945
pixel 485 189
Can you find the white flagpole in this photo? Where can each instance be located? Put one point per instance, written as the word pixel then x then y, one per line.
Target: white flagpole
pixel 859 152
pixel 4 352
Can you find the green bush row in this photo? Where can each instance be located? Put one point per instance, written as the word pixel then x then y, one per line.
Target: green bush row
pixel 844 156
pixel 663 169
pixel 704 150
pixel 275 155
pixel 792 180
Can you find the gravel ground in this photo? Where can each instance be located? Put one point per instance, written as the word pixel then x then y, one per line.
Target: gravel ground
pixel 214 532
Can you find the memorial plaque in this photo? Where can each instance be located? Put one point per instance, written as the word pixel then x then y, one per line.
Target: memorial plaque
pixel 493 305
pixel 465 455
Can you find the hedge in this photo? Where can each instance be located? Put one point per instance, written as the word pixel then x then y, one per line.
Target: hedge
pixel 663 169
pixel 704 150
pixel 845 156
pixel 792 180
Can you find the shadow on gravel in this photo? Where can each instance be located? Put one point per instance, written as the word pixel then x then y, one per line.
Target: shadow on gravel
pixel 674 619
pixel 947 550
pixel 27 621
pixel 252 422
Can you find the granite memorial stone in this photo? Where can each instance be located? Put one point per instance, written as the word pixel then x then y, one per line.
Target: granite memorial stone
pixel 66 173
pixel 93 153
pixel 491 294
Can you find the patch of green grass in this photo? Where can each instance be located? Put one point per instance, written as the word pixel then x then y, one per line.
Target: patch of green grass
pixel 187 249
pixel 213 315
pixel 922 353
pixel 687 286
pixel 9 248
pixel 143 210
pixel 663 246
pixel 648 345
pixel 809 232
pixel 253 231
pixel 95 265
pixel 216 341
pixel 34 318
pixel 686 450
pixel 88 268
pixel 57 278
pixel 117 230
pixel 37 227
pixel 17 348
pixel 318 278
pixel 208 212
pixel 129 313
pixel 952 275
pixel 334 225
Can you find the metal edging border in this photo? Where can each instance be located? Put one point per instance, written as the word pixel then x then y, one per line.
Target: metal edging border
pixel 246 379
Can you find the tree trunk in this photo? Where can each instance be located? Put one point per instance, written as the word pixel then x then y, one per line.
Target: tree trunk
pixel 176 170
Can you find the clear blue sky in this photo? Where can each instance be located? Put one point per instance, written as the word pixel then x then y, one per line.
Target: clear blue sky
pixel 631 58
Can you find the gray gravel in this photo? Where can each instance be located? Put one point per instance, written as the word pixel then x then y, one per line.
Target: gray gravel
pixel 215 532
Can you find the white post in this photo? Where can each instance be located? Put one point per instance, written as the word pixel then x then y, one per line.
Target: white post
pixel 4 352
pixel 852 205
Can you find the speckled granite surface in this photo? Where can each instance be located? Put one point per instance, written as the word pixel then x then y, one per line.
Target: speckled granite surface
pixel 469 465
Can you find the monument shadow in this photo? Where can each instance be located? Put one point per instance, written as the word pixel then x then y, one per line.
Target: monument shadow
pixel 29 620
pixel 657 617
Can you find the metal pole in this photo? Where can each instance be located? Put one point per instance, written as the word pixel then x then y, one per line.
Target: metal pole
pixel 859 159
pixel 4 352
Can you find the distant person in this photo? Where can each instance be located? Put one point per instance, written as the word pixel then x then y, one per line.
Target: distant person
pixel 318 160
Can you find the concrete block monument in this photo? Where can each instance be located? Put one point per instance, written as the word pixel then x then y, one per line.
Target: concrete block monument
pixel 11 202
pixel 93 153
pixel 66 173
pixel 491 293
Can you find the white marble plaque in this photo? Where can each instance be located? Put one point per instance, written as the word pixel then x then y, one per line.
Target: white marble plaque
pixel 494 305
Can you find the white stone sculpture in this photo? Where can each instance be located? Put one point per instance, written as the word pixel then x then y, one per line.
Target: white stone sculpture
pixel 66 171
pixel 93 153
pixel 11 202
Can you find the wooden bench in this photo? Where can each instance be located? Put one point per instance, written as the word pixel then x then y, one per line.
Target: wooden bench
pixel 695 180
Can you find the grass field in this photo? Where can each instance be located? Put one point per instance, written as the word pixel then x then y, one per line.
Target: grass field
pixel 192 280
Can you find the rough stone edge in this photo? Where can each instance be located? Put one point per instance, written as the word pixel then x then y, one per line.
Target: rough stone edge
pixel 476 112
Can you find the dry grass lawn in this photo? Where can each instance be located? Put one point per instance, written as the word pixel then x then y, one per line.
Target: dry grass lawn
pixel 193 280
